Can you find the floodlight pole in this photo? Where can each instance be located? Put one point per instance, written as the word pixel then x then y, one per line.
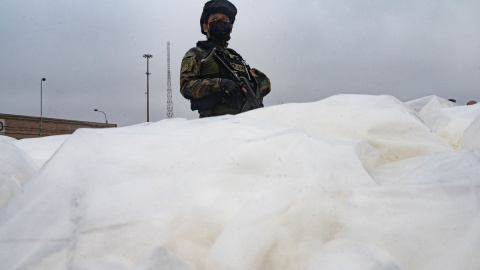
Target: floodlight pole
pixel 41 105
pixel 148 56
pixel 106 121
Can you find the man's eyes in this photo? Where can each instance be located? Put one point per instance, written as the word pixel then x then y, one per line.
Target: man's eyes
pixel 223 19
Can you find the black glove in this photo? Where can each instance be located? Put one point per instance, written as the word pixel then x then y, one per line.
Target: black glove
pixel 230 87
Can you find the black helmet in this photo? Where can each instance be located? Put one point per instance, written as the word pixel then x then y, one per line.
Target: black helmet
pixel 217 6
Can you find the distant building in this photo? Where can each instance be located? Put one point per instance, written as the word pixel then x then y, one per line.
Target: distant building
pixel 21 127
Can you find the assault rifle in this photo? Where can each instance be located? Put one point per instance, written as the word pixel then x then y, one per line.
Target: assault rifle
pixel 252 100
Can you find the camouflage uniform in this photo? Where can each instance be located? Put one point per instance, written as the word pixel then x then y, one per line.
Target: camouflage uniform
pixel 200 82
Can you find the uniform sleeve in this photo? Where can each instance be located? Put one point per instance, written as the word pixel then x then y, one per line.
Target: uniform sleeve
pixel 191 85
pixel 263 82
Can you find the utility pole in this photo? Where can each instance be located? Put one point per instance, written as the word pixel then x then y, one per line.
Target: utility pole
pixel 41 105
pixel 148 56
pixel 169 85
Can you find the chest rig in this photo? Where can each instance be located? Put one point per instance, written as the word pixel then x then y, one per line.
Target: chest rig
pixel 232 59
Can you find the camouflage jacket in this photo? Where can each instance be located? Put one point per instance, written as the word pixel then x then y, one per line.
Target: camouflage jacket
pixel 200 82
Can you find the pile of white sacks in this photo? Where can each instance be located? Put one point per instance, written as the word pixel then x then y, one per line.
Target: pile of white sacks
pixel 348 182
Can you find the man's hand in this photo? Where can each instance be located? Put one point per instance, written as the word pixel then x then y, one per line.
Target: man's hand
pixel 230 87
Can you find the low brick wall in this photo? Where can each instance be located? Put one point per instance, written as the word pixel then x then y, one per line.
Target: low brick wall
pixel 21 127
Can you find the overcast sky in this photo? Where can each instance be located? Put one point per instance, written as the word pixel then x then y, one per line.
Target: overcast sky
pixel 90 52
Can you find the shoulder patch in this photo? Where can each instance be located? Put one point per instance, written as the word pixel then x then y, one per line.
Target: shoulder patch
pixel 192 56
pixel 187 63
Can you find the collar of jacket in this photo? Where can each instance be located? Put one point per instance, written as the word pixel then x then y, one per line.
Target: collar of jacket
pixel 209 44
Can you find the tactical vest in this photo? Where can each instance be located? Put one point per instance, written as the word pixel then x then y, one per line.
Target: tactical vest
pixel 212 69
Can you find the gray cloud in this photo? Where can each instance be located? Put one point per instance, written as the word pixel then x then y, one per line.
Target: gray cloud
pixel 91 52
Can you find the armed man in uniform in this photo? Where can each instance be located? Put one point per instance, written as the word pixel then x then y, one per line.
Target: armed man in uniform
pixel 210 72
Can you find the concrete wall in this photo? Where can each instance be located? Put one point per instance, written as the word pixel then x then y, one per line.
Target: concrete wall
pixel 20 127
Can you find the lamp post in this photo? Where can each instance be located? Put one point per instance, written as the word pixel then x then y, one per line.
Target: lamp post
pixel 41 105
pixel 148 56
pixel 106 121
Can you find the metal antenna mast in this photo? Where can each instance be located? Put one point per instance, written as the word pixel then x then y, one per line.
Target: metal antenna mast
pixel 169 85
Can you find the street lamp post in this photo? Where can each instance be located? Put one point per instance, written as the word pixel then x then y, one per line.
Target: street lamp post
pixel 148 56
pixel 41 105
pixel 106 121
